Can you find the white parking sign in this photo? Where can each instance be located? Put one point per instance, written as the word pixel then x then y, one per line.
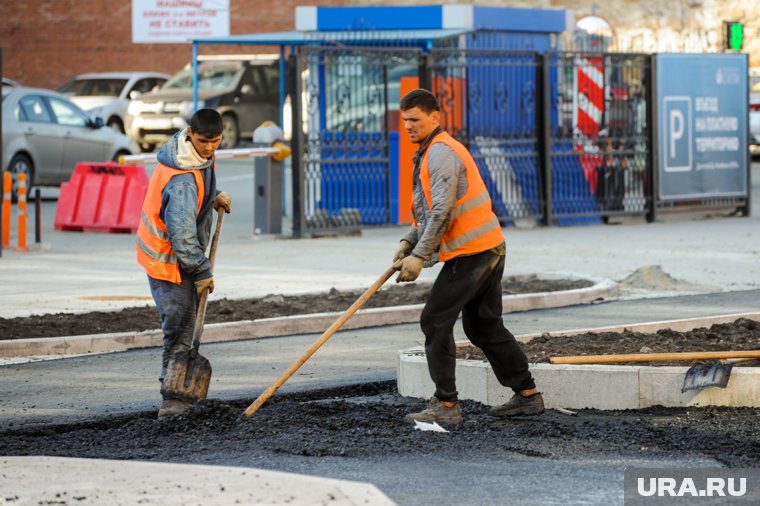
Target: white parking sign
pixel 677 133
pixel 702 106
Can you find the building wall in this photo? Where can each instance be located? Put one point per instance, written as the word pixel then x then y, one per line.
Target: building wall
pixel 46 42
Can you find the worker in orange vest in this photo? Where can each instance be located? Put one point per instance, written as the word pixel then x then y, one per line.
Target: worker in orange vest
pixel 454 223
pixel 174 231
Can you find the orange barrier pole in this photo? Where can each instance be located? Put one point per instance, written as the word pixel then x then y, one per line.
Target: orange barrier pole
pixel 22 212
pixel 7 188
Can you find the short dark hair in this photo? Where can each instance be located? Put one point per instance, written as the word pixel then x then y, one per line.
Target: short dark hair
pixel 421 98
pixel 206 122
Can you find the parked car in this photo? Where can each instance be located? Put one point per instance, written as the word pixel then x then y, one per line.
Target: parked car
pixel 754 111
pixel 45 135
pixel 243 88
pixel 107 95
pixel 10 82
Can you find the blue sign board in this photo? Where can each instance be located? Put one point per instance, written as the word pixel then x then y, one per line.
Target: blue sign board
pixel 702 124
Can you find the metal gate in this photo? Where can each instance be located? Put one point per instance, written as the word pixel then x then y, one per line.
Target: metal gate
pixel 559 138
pixel 349 96
pixel 489 102
pixel 599 136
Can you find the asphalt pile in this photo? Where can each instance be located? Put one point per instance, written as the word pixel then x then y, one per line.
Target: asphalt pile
pixel 365 421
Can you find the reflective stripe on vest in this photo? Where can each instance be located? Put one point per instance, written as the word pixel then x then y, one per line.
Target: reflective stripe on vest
pixel 474 227
pixel 154 250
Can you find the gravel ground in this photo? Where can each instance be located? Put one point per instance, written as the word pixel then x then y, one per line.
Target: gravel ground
pixel 363 421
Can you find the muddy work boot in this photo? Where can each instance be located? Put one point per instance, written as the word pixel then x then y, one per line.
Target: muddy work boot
pixel 520 406
pixel 436 411
pixel 172 407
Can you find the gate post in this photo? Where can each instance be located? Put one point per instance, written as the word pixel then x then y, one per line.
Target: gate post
pixel 651 189
pixel 544 136
pixel 295 90
pixel 426 71
pixel 2 169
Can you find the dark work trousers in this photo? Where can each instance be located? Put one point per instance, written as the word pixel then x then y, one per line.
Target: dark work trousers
pixel 471 285
pixel 176 306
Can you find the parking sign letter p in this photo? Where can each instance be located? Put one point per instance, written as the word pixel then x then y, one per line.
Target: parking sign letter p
pixel 676 125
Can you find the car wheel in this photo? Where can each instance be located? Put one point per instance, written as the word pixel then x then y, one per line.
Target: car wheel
pixel 230 132
pixel 21 164
pixel 147 148
pixel 116 124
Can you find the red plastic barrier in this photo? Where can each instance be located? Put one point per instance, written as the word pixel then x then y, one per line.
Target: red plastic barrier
pixel 102 197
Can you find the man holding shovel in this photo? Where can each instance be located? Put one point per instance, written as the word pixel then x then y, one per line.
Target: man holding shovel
pixel 174 232
pixel 454 223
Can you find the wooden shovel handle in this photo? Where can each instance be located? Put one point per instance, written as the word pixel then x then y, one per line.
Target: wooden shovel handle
pixel 319 342
pixel 653 357
pixel 200 316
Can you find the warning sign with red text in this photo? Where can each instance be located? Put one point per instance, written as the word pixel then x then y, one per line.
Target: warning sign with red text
pixel 155 21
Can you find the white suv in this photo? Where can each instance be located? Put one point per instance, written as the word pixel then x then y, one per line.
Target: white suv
pixel 107 95
pixel 243 88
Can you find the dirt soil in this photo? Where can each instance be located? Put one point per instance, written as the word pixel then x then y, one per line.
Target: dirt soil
pixel 365 421
pixel 742 334
pixel 226 310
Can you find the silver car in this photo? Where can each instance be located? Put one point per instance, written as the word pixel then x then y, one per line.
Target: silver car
pixel 107 94
pixel 45 135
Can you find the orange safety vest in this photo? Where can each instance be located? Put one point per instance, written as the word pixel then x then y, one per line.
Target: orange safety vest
pixel 154 250
pixel 474 227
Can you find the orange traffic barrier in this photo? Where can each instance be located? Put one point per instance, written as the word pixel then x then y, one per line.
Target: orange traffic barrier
pixel 102 197
pixel 22 212
pixel 7 188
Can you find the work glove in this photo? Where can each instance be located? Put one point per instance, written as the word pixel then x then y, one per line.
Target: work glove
pixel 403 251
pixel 410 268
pixel 202 284
pixel 223 201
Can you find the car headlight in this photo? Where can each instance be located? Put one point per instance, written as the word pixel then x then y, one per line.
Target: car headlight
pixel 134 108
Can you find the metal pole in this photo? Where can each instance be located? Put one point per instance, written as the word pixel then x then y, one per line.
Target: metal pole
pixel 1 150
pixel 747 208
pixel 37 216
pixel 195 76
pixel 297 172
pixel 653 141
pixel 544 125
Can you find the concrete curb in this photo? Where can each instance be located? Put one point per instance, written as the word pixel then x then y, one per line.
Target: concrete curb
pixel 614 387
pixel 291 325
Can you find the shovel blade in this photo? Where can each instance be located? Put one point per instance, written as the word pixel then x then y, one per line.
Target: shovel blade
pixel 709 374
pixel 187 379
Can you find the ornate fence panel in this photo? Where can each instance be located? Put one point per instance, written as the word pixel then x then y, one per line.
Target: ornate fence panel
pixel 489 102
pixel 349 95
pixel 600 136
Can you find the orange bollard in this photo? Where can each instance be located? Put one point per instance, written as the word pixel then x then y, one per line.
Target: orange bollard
pixel 22 212
pixel 7 188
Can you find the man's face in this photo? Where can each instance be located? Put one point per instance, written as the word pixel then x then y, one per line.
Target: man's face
pixel 419 124
pixel 203 144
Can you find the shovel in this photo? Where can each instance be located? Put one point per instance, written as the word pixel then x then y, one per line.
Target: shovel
pixel 188 374
pixel 319 342
pixel 712 373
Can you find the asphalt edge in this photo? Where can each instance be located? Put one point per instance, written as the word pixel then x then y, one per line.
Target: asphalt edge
pixel 299 324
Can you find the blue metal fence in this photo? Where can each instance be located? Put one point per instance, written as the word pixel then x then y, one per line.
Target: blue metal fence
pixel 559 138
